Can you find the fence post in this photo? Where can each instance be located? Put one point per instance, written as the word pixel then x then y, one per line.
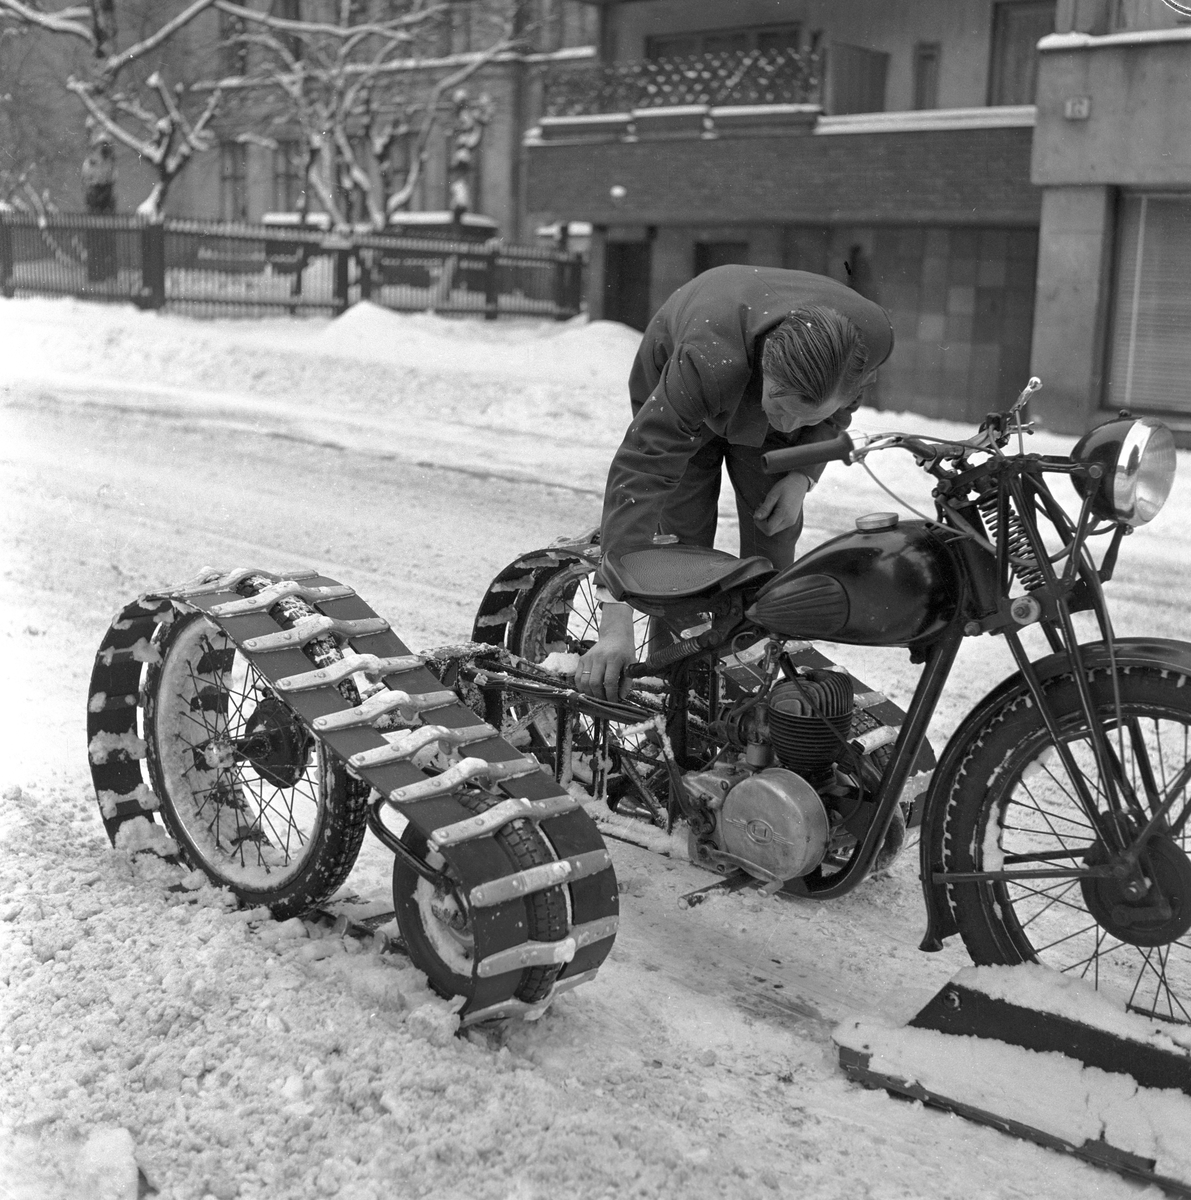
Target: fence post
pixel 152 265
pixel 364 268
pixel 564 307
pixel 492 284
pixel 6 288
pixel 575 288
pixel 339 297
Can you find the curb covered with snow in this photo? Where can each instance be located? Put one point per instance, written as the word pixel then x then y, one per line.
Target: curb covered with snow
pixel 1104 1115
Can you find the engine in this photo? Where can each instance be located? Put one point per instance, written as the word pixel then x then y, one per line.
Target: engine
pixel 768 816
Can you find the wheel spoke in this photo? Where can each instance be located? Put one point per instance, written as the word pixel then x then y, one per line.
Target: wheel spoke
pixel 1143 768
pixel 1051 900
pixel 1067 937
pixel 1162 988
pixel 243 792
pixel 1091 926
pixel 1077 818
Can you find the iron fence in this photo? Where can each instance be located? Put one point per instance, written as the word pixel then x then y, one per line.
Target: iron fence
pixel 727 77
pixel 208 268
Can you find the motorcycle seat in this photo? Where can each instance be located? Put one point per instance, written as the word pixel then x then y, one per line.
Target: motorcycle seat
pixel 657 574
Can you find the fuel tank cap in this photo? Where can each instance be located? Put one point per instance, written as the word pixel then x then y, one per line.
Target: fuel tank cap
pixel 875 522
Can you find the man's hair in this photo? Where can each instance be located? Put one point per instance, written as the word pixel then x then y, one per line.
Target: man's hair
pixel 814 353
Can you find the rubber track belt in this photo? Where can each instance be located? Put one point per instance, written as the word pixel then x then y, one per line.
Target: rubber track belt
pixel 498 608
pixel 499 924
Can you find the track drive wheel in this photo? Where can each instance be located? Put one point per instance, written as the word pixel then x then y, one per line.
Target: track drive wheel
pixel 252 799
pixel 436 921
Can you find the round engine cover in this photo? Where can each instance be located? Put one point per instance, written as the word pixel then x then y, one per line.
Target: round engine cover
pixel 775 820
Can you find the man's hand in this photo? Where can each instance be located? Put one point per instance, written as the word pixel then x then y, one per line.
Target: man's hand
pixel 780 508
pixel 601 669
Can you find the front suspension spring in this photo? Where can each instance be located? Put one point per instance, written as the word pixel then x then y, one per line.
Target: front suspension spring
pixel 1021 553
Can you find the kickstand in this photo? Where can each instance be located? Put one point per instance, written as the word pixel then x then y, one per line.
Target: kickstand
pixel 735 882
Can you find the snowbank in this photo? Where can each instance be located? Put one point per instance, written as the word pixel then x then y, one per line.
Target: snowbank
pixel 577 351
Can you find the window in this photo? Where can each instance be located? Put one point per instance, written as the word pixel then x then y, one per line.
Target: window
pixel 289 176
pixel 726 42
pixel 780 37
pixel 1018 26
pixel 926 74
pixel 627 277
pixel 233 181
pixel 289 10
pixel 462 28
pixel 855 79
pixel 549 19
pixel 1149 351
pixel 233 53
pixel 769 38
pixel 438 32
pixel 579 23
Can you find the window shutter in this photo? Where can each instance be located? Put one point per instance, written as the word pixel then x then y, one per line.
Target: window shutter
pixel 1150 361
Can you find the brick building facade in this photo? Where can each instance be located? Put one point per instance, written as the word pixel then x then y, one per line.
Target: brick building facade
pixel 894 146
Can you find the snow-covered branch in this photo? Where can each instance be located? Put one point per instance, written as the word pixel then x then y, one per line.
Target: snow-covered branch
pixel 101 116
pixel 396 29
pixel 169 139
pixel 74 21
pixel 116 62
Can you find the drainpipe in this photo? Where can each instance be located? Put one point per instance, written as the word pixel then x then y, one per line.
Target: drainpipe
pixel 517 174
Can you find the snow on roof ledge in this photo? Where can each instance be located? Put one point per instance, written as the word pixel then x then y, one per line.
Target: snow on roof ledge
pixel 987 117
pixel 1138 37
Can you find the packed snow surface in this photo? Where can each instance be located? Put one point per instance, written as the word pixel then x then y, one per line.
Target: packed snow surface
pixel 154 1038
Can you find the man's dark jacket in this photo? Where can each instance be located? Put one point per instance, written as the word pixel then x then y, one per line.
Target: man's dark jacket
pixel 697 375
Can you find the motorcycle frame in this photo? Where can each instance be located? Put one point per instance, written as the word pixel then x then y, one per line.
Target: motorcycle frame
pixel 1021 493
pixel 1020 484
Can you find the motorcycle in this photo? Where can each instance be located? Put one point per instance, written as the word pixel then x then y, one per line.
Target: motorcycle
pixel 1053 826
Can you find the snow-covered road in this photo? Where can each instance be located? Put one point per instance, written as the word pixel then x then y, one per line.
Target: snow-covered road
pixel 412 458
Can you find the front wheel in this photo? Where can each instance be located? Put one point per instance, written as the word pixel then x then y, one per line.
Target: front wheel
pixel 1011 806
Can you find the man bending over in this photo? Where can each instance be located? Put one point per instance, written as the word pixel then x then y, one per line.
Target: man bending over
pixel 739 361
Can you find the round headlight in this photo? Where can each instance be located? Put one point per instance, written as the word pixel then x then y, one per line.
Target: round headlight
pixel 1138 463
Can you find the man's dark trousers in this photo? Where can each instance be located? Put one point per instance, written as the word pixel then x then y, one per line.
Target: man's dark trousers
pixel 691 509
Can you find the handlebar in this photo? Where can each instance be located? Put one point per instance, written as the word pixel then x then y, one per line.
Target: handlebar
pixel 778 462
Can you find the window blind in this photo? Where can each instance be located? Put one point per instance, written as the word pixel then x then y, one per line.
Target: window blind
pixel 1150 354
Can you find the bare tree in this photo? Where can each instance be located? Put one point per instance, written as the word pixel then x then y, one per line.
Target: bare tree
pixel 35 150
pixel 357 90
pixel 160 123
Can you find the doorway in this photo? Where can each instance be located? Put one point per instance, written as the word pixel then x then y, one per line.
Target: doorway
pixel 1018 26
pixel 626 283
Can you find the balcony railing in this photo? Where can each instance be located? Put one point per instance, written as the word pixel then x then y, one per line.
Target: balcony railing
pixel 732 77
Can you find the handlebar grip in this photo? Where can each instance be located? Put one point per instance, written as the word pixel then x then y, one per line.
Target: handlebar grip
pixel 777 462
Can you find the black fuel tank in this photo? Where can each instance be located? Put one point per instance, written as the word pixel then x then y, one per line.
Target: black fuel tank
pixel 890 587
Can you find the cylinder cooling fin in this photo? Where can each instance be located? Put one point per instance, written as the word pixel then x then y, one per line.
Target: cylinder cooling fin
pixel 809 720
